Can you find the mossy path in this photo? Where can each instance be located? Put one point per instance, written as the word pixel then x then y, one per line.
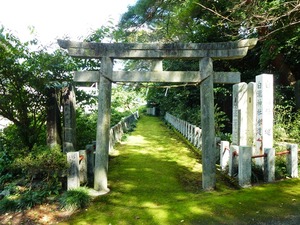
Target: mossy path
pixel 156 179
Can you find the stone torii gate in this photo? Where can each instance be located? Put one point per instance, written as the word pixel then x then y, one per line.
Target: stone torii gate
pixel 205 52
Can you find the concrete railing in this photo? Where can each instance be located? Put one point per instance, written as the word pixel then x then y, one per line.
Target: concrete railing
pixel 237 159
pixel 117 131
pixel 189 131
pixel 82 162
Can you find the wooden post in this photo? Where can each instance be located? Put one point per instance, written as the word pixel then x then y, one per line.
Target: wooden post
pixel 207 125
pixel 103 126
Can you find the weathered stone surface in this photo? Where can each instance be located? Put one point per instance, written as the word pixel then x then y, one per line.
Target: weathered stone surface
pixel 155 76
pixel 73 172
pixel 205 52
pixel 264 115
pixel 239 114
pixel 83 167
pixel 233 160
pixel 220 50
pixel 251 114
pixel 292 161
pixel 244 174
pixel 69 130
pixel 103 126
pixel 208 128
pixel 224 154
pixel 269 165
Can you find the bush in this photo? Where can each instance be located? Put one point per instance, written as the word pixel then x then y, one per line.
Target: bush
pixel 280 167
pixel 31 198
pixel 75 199
pixel 43 162
pixel 8 204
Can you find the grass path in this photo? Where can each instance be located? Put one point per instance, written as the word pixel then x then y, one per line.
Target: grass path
pixel 156 179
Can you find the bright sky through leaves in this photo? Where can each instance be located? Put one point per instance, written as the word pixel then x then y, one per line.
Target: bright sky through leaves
pixel 59 18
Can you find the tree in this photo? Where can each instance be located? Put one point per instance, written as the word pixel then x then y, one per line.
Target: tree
pixel 27 79
pixel 276 23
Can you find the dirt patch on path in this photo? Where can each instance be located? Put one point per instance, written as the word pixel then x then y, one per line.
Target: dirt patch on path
pixel 48 213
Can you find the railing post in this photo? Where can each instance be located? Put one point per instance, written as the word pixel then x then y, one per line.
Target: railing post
pixel 269 165
pixel 73 172
pixel 83 167
pixel 233 160
pixel 244 174
pixel 292 161
pixel 90 155
pixel 224 154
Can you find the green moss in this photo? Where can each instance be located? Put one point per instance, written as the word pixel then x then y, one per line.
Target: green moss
pixel 156 179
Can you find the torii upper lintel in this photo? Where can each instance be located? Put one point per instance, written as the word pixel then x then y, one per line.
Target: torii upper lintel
pixel 217 50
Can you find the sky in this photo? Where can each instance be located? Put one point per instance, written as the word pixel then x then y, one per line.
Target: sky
pixel 53 19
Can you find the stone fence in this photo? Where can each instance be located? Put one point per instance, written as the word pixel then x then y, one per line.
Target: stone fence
pixel 237 161
pixel 191 132
pixel 117 131
pixel 82 162
pixel 152 111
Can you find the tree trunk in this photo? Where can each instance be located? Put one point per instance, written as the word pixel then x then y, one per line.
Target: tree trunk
pixel 286 75
pixel 53 119
pixel 69 115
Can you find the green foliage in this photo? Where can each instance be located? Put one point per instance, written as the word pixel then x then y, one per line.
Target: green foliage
pixel 280 168
pixel 31 198
pixel 75 199
pixel 86 125
pixel 22 200
pixel 8 204
pixel 25 77
pixel 44 163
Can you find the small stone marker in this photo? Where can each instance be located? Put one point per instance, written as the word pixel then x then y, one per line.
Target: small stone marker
pixel 269 165
pixel 264 115
pixel 292 161
pixel 83 167
pixel 244 174
pixel 224 154
pixel 90 163
pixel 73 172
pixel 251 114
pixel 233 160
pixel 239 114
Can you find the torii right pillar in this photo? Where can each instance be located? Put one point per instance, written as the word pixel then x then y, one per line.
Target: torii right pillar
pixel 207 125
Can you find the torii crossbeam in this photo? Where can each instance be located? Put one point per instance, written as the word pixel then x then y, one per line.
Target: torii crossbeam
pixel 205 52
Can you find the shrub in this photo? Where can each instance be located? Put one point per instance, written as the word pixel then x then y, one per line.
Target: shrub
pixel 31 198
pixel 75 199
pixel 43 163
pixel 8 204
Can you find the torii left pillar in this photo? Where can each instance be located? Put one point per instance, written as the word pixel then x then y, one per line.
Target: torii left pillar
pixel 207 124
pixel 103 126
